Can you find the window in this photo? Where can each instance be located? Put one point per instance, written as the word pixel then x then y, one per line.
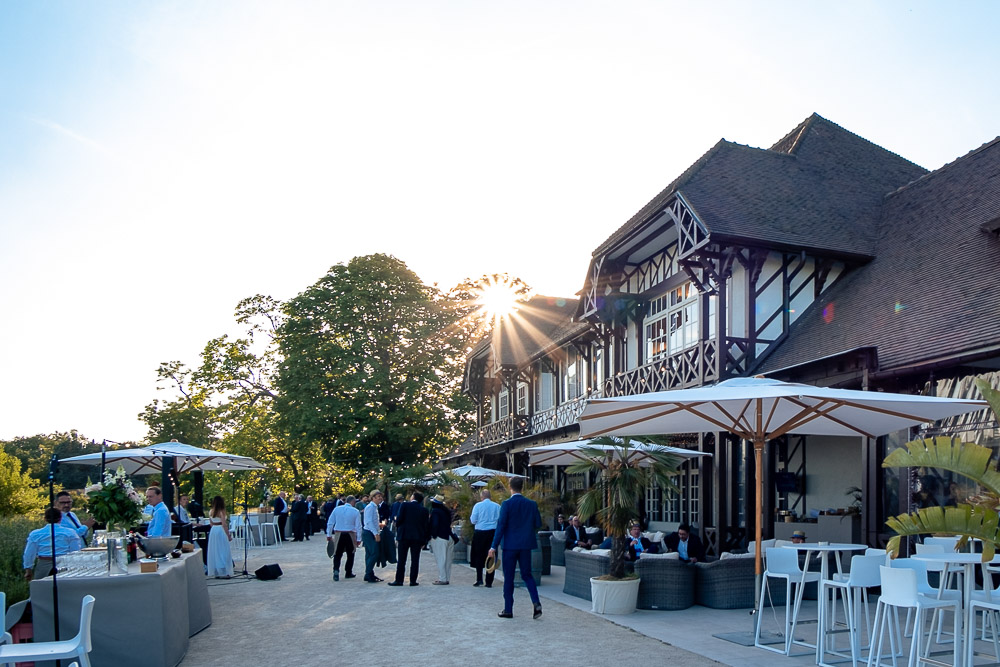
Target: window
pixel 503 409
pixel 672 322
pixel 522 398
pixel 574 376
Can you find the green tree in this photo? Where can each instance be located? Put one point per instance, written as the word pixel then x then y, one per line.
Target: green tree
pixel 978 518
pixel 35 452
pixel 187 418
pixel 371 366
pixel 19 492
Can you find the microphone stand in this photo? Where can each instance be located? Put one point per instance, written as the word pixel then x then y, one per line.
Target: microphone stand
pixel 53 466
pixel 246 535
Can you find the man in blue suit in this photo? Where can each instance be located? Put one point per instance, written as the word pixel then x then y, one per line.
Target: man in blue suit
pixel 519 519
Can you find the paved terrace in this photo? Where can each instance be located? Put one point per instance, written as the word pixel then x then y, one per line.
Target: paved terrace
pixel 305 619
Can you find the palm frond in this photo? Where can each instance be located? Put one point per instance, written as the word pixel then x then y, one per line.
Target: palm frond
pixel 965 458
pixel 991 395
pixel 965 520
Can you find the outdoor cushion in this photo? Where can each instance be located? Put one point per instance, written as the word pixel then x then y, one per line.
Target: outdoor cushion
pixel 558 535
pixel 600 552
pixel 729 554
pixel 652 556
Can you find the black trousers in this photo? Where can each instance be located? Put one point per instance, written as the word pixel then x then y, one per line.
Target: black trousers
pixel 282 522
pixel 344 545
pixel 413 549
pixel 298 528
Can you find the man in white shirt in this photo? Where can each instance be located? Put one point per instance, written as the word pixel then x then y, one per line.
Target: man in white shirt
pixel 343 533
pixel 181 510
pixel 370 535
pixel 64 503
pixel 484 519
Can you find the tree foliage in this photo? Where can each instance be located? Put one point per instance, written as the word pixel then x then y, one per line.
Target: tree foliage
pixel 371 366
pixel 19 492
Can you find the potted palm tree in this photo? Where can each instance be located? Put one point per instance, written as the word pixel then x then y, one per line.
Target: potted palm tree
pixel 977 517
pixel 624 467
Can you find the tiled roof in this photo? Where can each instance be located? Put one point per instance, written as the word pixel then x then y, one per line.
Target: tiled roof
pixel 819 188
pixel 932 290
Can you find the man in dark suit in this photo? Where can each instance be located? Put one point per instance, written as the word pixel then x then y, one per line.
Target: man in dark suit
pixel 687 545
pixel 576 535
pixel 299 513
pixel 412 533
pixel 519 520
pixel 281 508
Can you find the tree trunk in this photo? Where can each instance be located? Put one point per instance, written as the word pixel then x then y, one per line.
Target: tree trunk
pixel 618 556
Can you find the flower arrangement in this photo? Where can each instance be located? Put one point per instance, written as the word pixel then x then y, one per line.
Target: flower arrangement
pixel 115 501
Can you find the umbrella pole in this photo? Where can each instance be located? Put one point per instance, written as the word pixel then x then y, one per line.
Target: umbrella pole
pixel 758 455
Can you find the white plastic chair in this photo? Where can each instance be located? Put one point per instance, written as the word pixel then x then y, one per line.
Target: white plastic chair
pixel 78 647
pixel 272 527
pixel 784 564
pixel 899 591
pixel 5 637
pixel 989 604
pixel 853 589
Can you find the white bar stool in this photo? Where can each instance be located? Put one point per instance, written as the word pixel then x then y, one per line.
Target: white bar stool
pixel 784 564
pixel 899 591
pixel 853 589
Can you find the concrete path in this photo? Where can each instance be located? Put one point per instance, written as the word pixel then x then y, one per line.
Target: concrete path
pixel 306 619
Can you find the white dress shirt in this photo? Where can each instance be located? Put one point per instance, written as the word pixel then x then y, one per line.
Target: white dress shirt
pixel 71 521
pixel 344 518
pixel 485 514
pixel 371 518
pixel 182 515
pixel 40 543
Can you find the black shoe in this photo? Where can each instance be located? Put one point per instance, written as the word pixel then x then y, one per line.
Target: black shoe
pixel 377 580
pixel 538 611
pixel 349 576
pixel 505 614
pixel 489 585
pixel 478 583
pixel 413 583
pixel 395 583
pixel 336 576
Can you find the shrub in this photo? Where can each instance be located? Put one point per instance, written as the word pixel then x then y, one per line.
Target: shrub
pixel 13 536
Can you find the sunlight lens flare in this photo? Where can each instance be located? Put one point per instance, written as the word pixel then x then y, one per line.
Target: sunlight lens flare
pixel 498 300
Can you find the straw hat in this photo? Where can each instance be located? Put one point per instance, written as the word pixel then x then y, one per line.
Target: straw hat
pixel 492 562
pixel 438 498
pixel 799 533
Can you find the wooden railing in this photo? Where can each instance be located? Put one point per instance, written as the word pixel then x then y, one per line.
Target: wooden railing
pixel 693 367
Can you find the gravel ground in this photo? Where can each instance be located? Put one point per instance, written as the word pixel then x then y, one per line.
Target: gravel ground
pixel 304 619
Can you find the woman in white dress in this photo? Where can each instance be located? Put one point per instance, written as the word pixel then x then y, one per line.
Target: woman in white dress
pixel 220 558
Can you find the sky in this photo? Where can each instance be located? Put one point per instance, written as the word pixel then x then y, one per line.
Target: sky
pixel 161 161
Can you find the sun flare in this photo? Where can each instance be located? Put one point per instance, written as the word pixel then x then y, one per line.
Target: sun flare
pixel 498 299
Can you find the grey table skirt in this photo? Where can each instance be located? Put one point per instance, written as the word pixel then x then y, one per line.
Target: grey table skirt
pixel 138 619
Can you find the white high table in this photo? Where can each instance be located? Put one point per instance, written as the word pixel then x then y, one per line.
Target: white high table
pixel 968 561
pixel 823 549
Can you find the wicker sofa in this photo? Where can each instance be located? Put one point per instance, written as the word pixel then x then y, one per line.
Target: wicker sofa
pixel 726 584
pixel 558 542
pixel 667 583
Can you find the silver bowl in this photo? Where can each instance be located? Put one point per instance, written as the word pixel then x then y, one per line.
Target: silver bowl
pixel 158 547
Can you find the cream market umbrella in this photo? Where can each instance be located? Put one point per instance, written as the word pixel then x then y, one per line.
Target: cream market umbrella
pixel 759 409
pixel 568 453
pixel 477 472
pixel 149 460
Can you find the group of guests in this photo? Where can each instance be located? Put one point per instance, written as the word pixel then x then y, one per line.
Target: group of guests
pixel 688 546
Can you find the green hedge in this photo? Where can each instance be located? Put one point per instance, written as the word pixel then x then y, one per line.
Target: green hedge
pixel 13 536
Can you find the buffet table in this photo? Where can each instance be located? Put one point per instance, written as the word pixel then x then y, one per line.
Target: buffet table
pixel 138 618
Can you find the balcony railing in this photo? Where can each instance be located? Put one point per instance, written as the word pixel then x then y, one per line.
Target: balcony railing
pixel 692 367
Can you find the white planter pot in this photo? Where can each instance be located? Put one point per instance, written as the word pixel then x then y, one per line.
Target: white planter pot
pixel 614 597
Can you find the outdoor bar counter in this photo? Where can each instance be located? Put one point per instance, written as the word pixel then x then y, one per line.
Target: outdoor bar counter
pixel 138 618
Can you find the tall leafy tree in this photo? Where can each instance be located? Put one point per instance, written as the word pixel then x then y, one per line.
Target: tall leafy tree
pixel 187 418
pixel 371 366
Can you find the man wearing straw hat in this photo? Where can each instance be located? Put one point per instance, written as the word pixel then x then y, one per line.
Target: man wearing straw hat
pixel 516 526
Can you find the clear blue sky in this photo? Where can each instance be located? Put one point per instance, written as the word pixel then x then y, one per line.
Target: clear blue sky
pixel 160 161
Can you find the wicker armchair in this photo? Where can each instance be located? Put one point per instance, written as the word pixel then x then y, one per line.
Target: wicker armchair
pixel 725 584
pixel 558 548
pixel 580 567
pixel 667 583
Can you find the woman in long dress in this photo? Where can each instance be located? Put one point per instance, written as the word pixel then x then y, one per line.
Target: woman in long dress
pixel 220 558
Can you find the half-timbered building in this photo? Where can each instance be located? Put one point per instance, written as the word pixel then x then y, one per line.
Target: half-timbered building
pixel 823 259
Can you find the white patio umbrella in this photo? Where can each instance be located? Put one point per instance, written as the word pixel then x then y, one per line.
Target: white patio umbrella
pixel 568 453
pixel 149 460
pixel 761 409
pixel 477 472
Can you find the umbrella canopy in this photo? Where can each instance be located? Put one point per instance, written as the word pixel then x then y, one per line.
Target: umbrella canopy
pixel 477 472
pixel 149 460
pixel 760 409
pixel 568 453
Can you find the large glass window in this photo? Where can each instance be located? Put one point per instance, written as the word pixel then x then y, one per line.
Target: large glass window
pixel 504 404
pixel 672 322
pixel 522 398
